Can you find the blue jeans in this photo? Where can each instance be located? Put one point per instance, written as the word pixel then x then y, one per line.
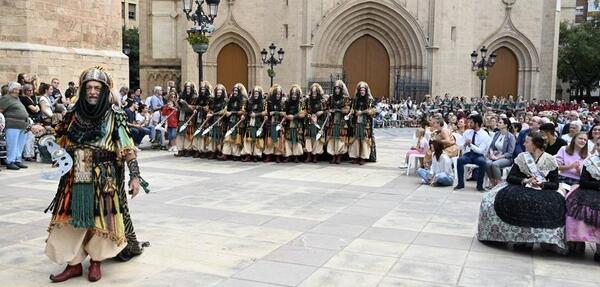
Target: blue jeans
pixel 471 158
pixel 441 179
pixel 15 143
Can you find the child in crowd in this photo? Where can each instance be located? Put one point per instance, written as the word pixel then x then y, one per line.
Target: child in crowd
pixel 420 147
pixel 171 122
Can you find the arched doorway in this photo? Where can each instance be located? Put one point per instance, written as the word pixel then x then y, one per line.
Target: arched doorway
pixel 232 66
pixel 504 75
pixel 368 60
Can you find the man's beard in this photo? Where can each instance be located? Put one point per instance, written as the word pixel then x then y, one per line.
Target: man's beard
pixel 92 102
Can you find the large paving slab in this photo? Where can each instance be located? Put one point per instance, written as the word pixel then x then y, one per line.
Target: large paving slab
pixel 232 224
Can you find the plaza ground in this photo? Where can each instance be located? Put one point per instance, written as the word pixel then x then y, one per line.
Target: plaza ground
pixel 238 224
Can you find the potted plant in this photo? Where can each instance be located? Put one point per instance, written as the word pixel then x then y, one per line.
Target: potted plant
pixel 198 41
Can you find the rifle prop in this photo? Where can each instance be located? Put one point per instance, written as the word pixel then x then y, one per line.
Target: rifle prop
pixel 206 131
pixel 230 131
pixel 185 125
pixel 320 133
pixel 260 130
pixel 163 122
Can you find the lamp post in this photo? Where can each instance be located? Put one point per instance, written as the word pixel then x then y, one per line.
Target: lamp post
pixel 482 65
pixel 269 58
pixel 126 49
pixel 203 24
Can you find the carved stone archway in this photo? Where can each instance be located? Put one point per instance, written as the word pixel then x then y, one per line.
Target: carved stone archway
pixel 387 21
pixel 527 56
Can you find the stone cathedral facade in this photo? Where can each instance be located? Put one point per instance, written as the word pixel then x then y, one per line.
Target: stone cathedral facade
pixel 392 44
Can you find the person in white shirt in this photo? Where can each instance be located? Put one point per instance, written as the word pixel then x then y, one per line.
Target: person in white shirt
pixel 476 145
pixel 440 173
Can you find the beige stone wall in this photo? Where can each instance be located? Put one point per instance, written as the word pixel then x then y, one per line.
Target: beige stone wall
pixel 425 39
pixel 61 38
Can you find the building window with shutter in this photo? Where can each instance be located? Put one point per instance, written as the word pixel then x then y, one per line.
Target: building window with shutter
pixel 132 11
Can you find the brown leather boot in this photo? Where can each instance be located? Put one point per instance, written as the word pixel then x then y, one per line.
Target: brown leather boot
pixel 361 161
pixel 314 158
pixel 180 153
pixel 247 158
pixel 296 159
pixel 278 159
pixel 354 161
pixel 308 158
pixel 196 154
pixel 338 159
pixel 269 158
pixel 223 157
pixel 333 157
pixel 286 160
pixel 94 273
pixel 70 272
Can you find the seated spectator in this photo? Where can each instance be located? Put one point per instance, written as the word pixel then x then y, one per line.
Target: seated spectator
pixel 528 210
pixel 574 129
pixel 533 126
pixel 570 159
pixel 553 142
pixel 17 122
pixel 442 134
pixel 421 145
pixel 46 103
pixel 137 132
pixel 500 152
pixel 583 212
pixel 477 142
pixel 461 125
pixel 440 173
pixel 29 100
pixel 593 136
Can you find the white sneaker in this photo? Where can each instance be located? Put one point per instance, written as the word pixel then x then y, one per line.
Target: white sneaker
pixel 174 149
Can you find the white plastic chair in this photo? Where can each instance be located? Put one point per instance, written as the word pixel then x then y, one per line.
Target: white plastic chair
pixel 413 162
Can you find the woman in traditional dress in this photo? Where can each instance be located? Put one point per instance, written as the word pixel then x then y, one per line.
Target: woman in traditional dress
pixel 528 209
pixel 583 209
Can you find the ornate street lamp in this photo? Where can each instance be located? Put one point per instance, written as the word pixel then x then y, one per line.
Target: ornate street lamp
pixel 203 24
pixel 482 65
pixel 127 49
pixel 268 57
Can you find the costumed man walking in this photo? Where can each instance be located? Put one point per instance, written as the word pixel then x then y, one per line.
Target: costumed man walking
pixel 236 114
pixel 198 140
pixel 337 136
pixel 362 122
pixel 187 117
pixel 217 108
pixel 295 113
pixel 315 119
pixel 87 211
pixel 274 133
pixel 257 116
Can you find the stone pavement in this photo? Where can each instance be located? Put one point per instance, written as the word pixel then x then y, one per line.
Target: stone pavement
pixel 236 224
